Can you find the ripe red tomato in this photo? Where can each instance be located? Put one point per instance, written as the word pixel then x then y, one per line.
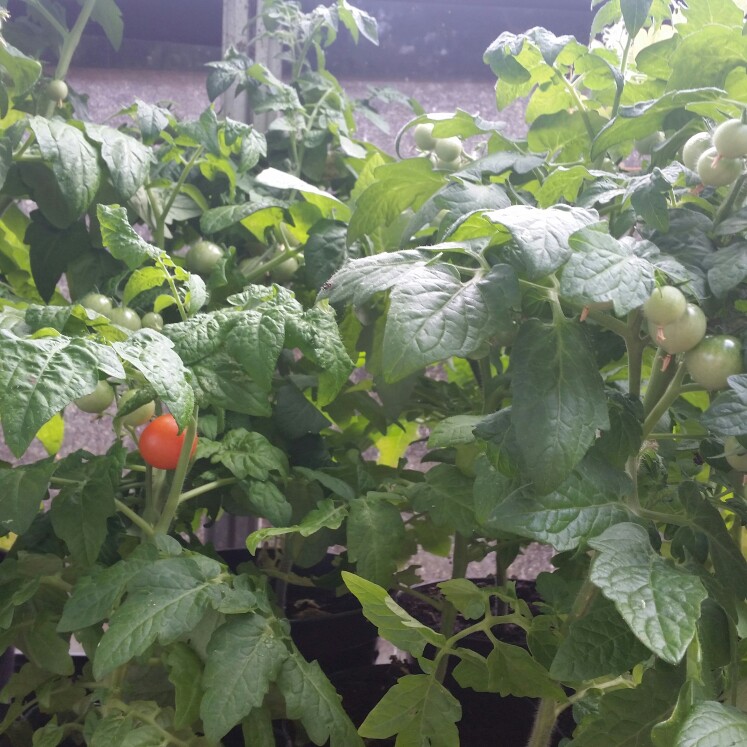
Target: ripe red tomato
pixel 161 443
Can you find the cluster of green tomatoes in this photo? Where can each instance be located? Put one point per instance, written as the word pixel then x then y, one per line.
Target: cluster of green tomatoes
pixel 717 157
pixel 445 152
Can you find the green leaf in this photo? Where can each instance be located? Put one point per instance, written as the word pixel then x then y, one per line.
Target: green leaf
pixel 635 14
pixel 508 670
pixel 109 17
pixel 559 400
pixel 219 218
pixel 121 239
pixel 38 377
pixel 625 717
pixel 358 21
pixel 727 268
pixel 393 623
pixel 311 698
pixel 600 644
pixel 95 595
pixel 80 511
pixel 153 355
pixel 256 341
pixel 326 251
pixel 50 735
pixel 432 317
pixel 249 454
pixel 694 65
pixel 73 161
pixel 564 133
pixel 127 160
pixel 152 120
pixel 221 382
pixel 540 239
pixel 727 415
pixel 453 431
pixel 276 179
pixel 185 674
pixel 420 710
pixel 244 657
pixel 465 596
pixel 398 186
pixel 51 250
pixel 22 489
pixel 325 515
pixel 23 70
pixel 45 648
pixel 266 500
pixel 586 503
pixel 660 602
pixel 166 600
pixel 142 280
pixel 447 497
pixel 603 269
pixel 257 730
pixel 712 724
pixel 375 538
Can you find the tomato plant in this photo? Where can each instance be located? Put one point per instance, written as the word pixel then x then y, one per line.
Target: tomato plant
pixel 423 136
pixel 717 171
pixel 203 256
pixel 126 317
pixel 694 148
pixel 730 139
pixel 97 302
pixel 683 334
pixel 713 360
pixel 161 442
pixel 132 418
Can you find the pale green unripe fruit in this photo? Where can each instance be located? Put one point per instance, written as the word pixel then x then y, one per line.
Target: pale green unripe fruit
pixel 715 171
pixel 448 148
pixel 735 454
pixel 713 360
pixel 730 138
pixel 694 148
pixel 665 305
pixel 423 135
pixel 681 335
pixel 98 400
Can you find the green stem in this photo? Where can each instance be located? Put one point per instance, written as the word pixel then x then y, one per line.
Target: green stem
pixel 161 220
pixel 70 44
pixel 486 376
pixel 623 67
pixel 579 104
pixel 449 614
pixel 148 719
pixel 736 195
pixel 609 322
pixel 56 582
pixel 182 466
pixel 135 518
pixel 206 488
pixel 670 395
pixel 415 594
pixel 544 724
pixel 174 292
pixel 658 382
pixel 635 347
pixel 264 268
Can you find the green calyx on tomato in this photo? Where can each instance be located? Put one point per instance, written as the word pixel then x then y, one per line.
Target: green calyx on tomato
pixel 694 148
pixel 124 316
pixel 161 443
pixel 730 138
pixel 98 400
pixel 713 360
pixel 135 417
pixel 715 170
pixel 203 257
pixel 682 334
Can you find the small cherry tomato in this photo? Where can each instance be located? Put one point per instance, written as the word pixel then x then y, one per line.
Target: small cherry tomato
pixel 56 90
pixel 423 136
pixel 152 320
pixel 448 148
pixel 97 302
pixel 203 256
pixel 124 316
pixel 713 360
pixel 694 148
pixel 98 400
pixel 716 171
pixel 730 138
pixel 161 443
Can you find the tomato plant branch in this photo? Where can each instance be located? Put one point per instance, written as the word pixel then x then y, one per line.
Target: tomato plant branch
pixel 620 85
pixel 134 517
pixel 670 395
pixel 544 724
pixel 658 382
pixel 174 292
pixel 415 594
pixel 577 100
pixel 206 488
pixel 177 482
pixel 148 719
pixel 735 197
pixel 264 268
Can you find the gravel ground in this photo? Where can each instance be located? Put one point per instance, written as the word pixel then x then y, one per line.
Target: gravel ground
pixel 110 91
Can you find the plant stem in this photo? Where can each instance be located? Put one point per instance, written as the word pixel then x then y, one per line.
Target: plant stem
pixel 621 85
pixel 206 488
pixel 135 518
pixel 544 724
pixel 579 104
pixel 671 393
pixel 174 292
pixel 172 501
pixel 735 196
pixel 264 268
pixel 70 44
pixel 449 613
pixel 635 348
pixel 148 719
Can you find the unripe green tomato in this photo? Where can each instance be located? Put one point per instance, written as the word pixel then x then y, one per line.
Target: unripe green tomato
pixel 423 135
pixel 730 138
pixel 152 320
pixel 735 454
pixel 718 172
pixel 448 148
pixel 203 256
pixel 56 90
pixel 713 360
pixel 665 305
pixel 98 400
pixel 681 335
pixel 283 272
pixel 97 302
pixel 139 416
pixel 249 265
pixel 646 145
pixel 448 165
pixel 124 316
pixel 694 148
